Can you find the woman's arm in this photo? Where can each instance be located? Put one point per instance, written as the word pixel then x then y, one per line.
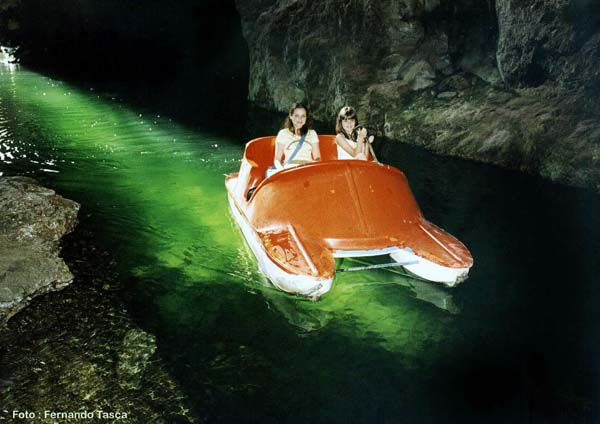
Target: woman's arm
pixel 369 148
pixel 279 151
pixel 313 139
pixel 316 151
pixel 358 152
pixel 278 160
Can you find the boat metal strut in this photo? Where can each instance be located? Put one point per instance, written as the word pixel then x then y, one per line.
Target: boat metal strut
pixel 374 266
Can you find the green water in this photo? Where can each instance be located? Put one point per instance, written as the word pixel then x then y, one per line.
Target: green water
pixel 380 347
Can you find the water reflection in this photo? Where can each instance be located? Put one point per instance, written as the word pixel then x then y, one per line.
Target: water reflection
pixel 7 56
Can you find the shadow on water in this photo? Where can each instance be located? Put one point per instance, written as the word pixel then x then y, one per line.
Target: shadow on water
pixel 528 307
pixel 514 343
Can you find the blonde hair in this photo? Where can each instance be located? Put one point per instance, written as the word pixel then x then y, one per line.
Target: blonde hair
pixel 347 112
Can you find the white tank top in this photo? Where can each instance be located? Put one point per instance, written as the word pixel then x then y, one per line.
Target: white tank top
pixel 342 154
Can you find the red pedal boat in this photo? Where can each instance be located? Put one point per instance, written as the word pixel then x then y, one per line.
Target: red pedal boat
pixel 300 219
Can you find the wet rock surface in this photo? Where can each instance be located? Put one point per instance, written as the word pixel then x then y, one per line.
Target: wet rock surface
pixel 32 223
pixel 540 131
pixel 75 349
pixel 513 83
pixel 79 350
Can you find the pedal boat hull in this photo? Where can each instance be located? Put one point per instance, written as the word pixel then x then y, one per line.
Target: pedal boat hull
pixel 299 220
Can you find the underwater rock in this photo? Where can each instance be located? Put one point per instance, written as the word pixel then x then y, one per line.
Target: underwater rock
pixel 32 223
pixel 79 349
pixel 138 347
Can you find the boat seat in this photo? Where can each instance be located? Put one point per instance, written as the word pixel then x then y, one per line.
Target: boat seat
pixel 261 151
pixel 259 154
pixel 328 147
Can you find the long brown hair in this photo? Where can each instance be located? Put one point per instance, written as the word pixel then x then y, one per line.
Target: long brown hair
pixel 288 124
pixel 347 112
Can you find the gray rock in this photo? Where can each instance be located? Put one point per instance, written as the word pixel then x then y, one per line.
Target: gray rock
pixel 420 75
pixel 447 94
pixel 32 222
pixel 540 131
pixel 330 53
pixel 464 78
pixel 549 40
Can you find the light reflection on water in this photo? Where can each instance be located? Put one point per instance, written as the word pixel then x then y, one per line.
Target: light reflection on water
pixel 156 192
pixel 153 192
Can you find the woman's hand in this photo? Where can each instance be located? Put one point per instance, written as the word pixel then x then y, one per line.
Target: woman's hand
pixel 362 135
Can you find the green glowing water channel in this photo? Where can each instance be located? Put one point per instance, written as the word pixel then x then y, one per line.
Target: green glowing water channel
pixel 379 347
pixel 155 195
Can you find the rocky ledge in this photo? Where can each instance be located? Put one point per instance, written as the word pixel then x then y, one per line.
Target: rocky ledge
pixel 32 223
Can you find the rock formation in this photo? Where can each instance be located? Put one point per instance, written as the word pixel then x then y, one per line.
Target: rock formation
pixel 556 40
pixel 511 82
pixel 33 219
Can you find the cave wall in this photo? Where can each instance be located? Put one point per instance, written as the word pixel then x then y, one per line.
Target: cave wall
pixel 549 40
pixel 509 82
pixel 337 52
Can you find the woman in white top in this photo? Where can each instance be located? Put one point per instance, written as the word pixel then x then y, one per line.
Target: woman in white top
pixel 346 147
pixel 296 125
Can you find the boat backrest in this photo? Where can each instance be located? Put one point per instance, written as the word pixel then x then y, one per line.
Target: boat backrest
pixel 328 147
pixel 260 153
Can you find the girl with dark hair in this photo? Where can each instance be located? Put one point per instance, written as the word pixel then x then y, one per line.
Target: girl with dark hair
pixel 296 142
pixel 348 148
